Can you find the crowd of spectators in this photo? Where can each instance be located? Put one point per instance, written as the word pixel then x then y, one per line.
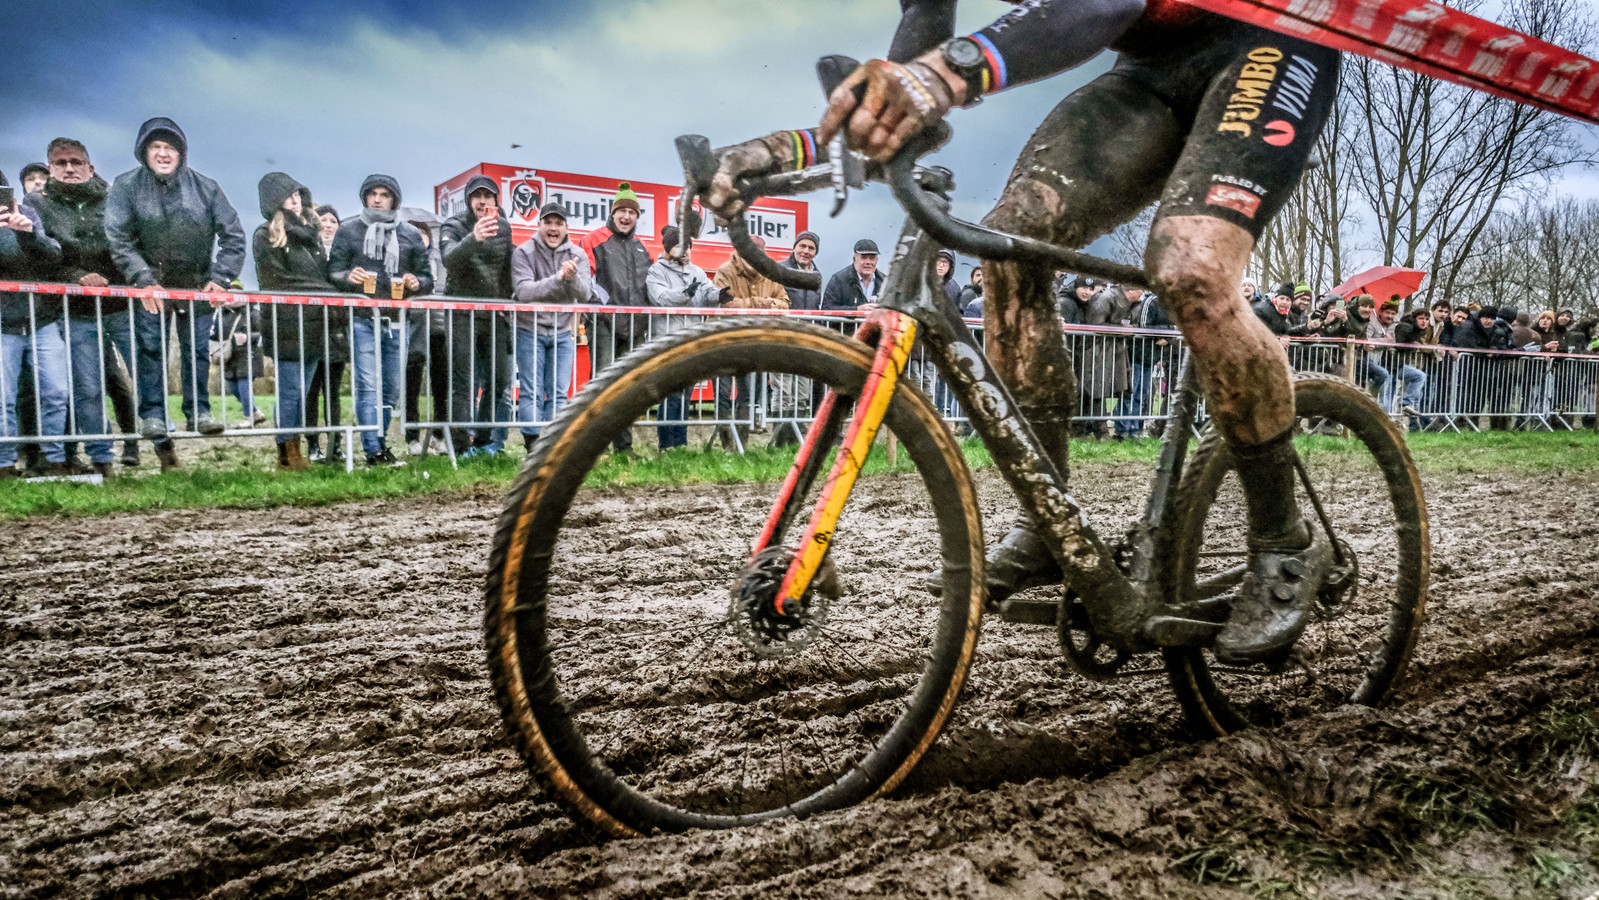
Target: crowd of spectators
pixel 162 224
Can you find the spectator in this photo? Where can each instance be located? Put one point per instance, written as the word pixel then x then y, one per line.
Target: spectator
pixel 1251 293
pixel 1145 354
pixel 1385 328
pixel 971 298
pixel 945 267
pixel 855 286
pixel 1522 333
pixel 237 339
pixel 1277 312
pixel 1074 297
pixel 477 255
pixel 1303 301
pixel 1441 323
pixel 674 280
pixel 619 263
pixel 34 177
pixel 377 254
pixel 746 288
pixel 803 259
pixel 427 342
pixel 1100 360
pixel 326 383
pixel 289 257
pixel 72 207
pixel 548 269
pixel 1548 332
pixel 163 220
pixel 31 337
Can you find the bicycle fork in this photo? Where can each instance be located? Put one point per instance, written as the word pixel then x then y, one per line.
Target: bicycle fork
pixel 896 335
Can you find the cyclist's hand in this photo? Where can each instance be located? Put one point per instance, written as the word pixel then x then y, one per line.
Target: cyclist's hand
pixel 900 100
pixel 762 156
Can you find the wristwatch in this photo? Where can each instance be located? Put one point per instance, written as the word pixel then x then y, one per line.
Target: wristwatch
pixel 965 58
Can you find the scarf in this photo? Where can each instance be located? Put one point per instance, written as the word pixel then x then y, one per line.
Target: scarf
pixel 382 238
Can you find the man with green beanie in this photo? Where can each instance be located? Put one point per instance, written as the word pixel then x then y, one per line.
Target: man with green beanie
pixel 620 263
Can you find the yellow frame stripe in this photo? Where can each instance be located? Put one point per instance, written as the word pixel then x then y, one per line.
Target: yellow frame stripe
pixel 847 467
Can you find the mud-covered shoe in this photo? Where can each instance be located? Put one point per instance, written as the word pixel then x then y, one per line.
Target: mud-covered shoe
pixel 130 454
pixel 1273 603
pixel 207 425
pixel 1020 561
pixel 153 428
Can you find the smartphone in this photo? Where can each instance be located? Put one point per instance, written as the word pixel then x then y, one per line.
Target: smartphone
pixel 8 200
pixel 1340 304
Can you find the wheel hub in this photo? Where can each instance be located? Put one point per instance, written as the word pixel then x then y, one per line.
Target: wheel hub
pixel 761 628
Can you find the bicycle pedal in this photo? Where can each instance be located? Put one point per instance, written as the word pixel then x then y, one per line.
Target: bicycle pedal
pixel 1030 612
pixel 1173 631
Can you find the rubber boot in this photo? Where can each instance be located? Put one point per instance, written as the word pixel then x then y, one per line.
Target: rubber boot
pixel 528 440
pixel 106 470
pixel 167 453
pixel 1289 558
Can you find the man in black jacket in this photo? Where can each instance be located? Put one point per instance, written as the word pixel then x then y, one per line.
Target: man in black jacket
pixel 477 255
pixel 803 259
pixel 163 221
pixel 72 206
pixel 857 286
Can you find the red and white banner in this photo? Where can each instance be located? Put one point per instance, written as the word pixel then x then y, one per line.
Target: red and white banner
pixel 1435 40
pixel 587 200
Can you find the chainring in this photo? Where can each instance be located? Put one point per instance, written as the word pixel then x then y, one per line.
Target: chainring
pixel 1087 654
pixel 753 613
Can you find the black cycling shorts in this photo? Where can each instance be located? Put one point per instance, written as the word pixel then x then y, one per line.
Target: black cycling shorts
pixel 1218 121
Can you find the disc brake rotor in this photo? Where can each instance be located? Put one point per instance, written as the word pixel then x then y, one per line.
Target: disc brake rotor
pixel 753 613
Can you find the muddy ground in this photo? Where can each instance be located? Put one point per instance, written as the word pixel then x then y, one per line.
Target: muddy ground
pixel 295 703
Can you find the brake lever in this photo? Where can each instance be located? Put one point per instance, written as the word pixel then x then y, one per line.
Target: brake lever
pixel 849 169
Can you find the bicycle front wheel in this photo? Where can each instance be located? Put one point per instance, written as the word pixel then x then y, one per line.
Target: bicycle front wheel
pixel 636 679
pixel 1365 621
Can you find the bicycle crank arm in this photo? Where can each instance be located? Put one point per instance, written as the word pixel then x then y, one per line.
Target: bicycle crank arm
pixel 896 334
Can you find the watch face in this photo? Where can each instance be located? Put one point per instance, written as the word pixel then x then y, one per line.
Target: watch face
pixel 963 53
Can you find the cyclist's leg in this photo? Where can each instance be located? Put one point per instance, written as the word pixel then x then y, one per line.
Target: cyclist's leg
pixel 1097 160
pixel 1249 145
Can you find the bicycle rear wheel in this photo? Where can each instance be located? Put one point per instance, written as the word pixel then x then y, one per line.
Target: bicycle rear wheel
pixel 633 681
pixel 1365 622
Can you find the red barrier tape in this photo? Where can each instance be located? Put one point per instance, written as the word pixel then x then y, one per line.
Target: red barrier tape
pixel 1435 40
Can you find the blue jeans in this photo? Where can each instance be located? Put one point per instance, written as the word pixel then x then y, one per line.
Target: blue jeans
pixel 544 374
pixel 671 436
pixel 87 340
pixel 1135 402
pixel 371 367
pixel 1380 378
pixel 244 391
pixel 194 358
pixel 46 351
pixel 293 374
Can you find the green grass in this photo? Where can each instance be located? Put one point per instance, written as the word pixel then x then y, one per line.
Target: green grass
pixel 240 473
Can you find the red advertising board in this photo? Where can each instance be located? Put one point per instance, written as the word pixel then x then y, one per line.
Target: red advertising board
pixel 587 199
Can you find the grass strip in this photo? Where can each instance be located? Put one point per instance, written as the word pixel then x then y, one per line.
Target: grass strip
pixel 241 473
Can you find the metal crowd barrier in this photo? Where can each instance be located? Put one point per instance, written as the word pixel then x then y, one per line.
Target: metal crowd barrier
pixel 444 370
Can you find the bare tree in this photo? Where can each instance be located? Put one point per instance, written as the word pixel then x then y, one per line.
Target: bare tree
pixel 1546 253
pixel 1433 162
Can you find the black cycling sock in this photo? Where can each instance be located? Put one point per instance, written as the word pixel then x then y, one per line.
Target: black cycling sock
pixel 1267 473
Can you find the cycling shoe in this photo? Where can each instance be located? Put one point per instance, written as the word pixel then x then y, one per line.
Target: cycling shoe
pixel 1273 603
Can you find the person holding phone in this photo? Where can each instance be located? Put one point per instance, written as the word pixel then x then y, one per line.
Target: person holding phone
pixel 30 336
pixel 171 227
pixel 476 245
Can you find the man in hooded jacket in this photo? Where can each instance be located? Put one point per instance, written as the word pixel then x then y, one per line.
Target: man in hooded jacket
pixel 476 246
pixel 72 207
pixel 163 221
pixel 549 269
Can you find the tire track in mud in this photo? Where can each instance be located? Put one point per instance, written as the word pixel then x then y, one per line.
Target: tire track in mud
pixel 269 703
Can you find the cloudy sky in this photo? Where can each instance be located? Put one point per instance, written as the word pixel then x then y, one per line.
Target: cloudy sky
pixel 422 90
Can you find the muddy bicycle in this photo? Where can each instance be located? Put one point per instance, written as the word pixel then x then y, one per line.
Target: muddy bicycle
pixel 714 657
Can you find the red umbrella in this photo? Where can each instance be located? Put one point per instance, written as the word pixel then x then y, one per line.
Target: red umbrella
pixel 1382 282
